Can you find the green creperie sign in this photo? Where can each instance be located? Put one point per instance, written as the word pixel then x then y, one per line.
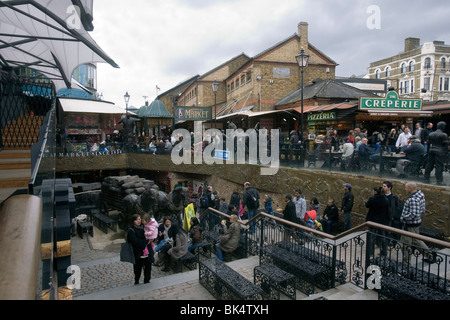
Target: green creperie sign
pixel 390 103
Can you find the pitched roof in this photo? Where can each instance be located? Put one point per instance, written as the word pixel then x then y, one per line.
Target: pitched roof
pixel 328 89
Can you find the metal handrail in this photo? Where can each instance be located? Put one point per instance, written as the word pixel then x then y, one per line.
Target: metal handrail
pixel 345 233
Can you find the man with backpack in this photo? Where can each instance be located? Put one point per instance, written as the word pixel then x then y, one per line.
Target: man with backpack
pixel 251 201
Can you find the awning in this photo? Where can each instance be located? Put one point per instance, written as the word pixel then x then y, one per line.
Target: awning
pixel 48 36
pixel 412 114
pixel 89 106
pixel 327 107
pixel 437 108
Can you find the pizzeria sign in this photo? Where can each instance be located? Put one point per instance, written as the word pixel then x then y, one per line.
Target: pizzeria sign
pixel 323 116
pixel 390 103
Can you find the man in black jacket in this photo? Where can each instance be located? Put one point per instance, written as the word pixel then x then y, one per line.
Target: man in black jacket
pixel 426 135
pixel 289 210
pixel 395 211
pixel 251 201
pixel 437 153
pixel 414 153
pixel 347 206
pixel 289 214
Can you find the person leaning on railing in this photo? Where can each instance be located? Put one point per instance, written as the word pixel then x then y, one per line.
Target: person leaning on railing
pixel 411 217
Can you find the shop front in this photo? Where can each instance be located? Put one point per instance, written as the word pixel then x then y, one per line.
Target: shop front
pixel 85 124
pixel 384 114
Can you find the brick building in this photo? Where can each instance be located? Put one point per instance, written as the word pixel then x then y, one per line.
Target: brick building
pixel 256 83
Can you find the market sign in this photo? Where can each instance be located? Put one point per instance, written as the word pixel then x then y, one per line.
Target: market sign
pixel 390 103
pixel 192 113
pixel 323 116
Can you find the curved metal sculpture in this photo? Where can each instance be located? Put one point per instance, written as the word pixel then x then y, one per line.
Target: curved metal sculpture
pixel 156 203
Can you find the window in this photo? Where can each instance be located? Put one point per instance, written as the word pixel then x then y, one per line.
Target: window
pixel 403 68
pixel 249 76
pixel 411 66
pixel 242 80
pixel 412 86
pixel 444 84
pixel 377 74
pixel 443 63
pixel 426 83
pixel 388 72
pixel 427 64
pixel 406 86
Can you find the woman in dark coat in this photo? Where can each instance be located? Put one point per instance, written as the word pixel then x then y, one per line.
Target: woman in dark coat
pixel 379 213
pixel 136 237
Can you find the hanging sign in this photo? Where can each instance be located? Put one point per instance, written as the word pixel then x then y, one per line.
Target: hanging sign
pixel 192 113
pixel 390 103
pixel 324 116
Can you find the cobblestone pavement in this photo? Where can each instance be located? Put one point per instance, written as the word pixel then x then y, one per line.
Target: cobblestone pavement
pixel 105 277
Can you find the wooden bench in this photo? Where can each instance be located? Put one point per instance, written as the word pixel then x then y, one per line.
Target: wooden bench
pixel 226 284
pixel 103 222
pixel 309 274
pixel 274 281
pixel 84 227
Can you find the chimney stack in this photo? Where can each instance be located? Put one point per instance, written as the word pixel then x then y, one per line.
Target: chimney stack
pixel 303 33
pixel 411 44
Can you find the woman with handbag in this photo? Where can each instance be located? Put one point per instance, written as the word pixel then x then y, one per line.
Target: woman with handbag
pixel 136 237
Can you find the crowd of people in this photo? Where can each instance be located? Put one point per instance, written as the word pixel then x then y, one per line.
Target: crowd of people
pixel 161 244
pixel 421 147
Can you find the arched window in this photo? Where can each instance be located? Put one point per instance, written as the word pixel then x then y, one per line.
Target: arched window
pixel 377 74
pixel 388 72
pixel 411 66
pixel 443 63
pixel 403 68
pixel 427 64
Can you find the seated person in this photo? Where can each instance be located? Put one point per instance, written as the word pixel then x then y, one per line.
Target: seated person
pixel 229 241
pixel 330 216
pixel 367 153
pixel 413 152
pixel 347 153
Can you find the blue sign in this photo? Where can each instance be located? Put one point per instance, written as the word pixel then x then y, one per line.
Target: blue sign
pixel 222 154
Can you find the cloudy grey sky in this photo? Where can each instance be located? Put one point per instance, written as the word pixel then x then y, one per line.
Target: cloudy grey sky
pixel 164 42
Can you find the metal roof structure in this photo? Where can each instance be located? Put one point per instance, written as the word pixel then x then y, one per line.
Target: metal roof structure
pixel 48 36
pixel 156 109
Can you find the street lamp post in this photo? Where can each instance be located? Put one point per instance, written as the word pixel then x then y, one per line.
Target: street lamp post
pixel 127 99
pixel 302 60
pixel 215 88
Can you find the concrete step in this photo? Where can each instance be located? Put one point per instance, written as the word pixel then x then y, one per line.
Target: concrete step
pixel 346 291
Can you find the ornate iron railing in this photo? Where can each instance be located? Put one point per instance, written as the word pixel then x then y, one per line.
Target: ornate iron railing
pixel 361 255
